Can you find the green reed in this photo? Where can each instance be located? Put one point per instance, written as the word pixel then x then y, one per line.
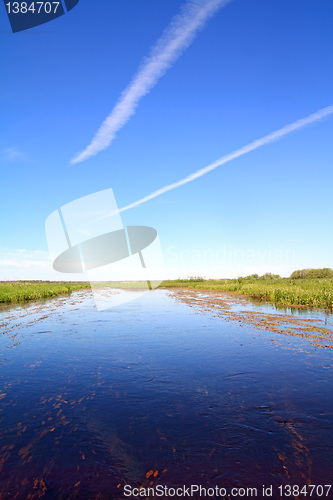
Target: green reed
pixel 19 291
pixel 283 291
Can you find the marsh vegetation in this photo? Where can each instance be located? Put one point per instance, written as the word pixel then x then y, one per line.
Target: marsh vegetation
pixel 307 287
pixel 19 291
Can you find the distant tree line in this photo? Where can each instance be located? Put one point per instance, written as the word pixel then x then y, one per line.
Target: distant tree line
pixel 326 272
pixel 300 274
pixel 266 276
pixel 190 279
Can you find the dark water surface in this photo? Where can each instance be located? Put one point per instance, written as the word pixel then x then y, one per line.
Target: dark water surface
pixel 160 387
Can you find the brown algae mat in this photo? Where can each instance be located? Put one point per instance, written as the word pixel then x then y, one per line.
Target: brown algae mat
pixel 230 307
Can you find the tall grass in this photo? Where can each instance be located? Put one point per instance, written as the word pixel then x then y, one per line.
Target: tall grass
pixel 307 292
pixel 282 291
pixel 18 291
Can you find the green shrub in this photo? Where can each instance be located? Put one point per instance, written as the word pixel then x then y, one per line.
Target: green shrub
pixel 325 272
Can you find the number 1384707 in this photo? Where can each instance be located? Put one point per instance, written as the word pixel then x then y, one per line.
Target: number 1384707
pixel 32 7
pixel 311 490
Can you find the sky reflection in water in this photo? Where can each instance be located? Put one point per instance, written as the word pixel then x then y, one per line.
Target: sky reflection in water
pixel 93 400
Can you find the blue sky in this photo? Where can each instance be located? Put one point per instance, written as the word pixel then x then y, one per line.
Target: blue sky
pixel 255 67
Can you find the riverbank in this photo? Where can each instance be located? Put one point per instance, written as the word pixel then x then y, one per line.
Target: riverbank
pixel 287 292
pixel 282 291
pixel 21 291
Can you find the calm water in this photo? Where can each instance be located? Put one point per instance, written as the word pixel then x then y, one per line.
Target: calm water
pixel 91 401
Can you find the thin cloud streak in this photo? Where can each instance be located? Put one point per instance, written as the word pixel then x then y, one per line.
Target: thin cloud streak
pixel 267 139
pixel 11 154
pixel 174 41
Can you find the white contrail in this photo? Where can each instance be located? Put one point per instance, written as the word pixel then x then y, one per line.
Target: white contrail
pixel 273 136
pixel 175 39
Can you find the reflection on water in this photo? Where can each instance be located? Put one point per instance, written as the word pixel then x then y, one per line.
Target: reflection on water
pixel 175 388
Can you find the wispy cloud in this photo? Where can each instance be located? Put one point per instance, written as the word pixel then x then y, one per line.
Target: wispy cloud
pixel 175 39
pixel 22 264
pixel 267 139
pixel 20 259
pixel 26 264
pixel 22 255
pixel 11 154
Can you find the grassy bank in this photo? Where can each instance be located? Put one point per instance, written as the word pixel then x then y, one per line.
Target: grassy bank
pixel 283 291
pixel 308 288
pixel 19 291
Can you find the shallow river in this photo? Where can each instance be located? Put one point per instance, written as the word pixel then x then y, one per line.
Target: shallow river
pixel 177 388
